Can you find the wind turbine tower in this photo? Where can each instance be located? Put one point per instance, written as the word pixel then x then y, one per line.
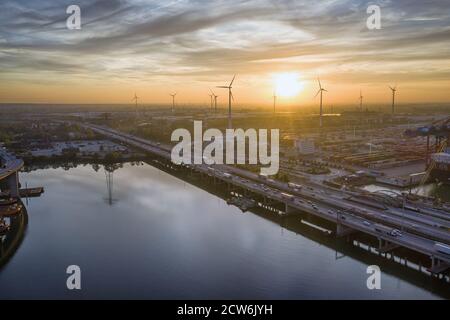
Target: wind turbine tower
pixel 394 90
pixel 215 100
pixel 321 90
pixel 360 106
pixel 173 95
pixel 211 98
pixel 230 97
pixel 135 99
pixel 274 101
pixel 360 101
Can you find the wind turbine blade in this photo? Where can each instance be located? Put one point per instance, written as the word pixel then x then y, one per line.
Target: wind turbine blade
pixel 223 87
pixel 232 80
pixel 317 93
pixel 320 85
pixel 232 97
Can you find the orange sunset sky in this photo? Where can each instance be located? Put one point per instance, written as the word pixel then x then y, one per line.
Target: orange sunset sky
pixel 154 48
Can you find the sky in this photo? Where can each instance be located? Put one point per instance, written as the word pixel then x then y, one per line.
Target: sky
pixel 154 48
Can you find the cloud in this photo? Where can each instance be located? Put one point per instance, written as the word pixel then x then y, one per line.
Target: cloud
pixel 201 38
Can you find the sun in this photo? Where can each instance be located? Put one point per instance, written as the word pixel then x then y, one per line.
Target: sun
pixel 287 84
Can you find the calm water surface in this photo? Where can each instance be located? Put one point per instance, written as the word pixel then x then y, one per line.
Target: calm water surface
pixel 164 238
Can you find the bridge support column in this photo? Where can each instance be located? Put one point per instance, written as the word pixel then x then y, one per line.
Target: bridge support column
pixel 288 209
pixel 13 185
pixel 342 231
pixel 438 266
pixel 386 246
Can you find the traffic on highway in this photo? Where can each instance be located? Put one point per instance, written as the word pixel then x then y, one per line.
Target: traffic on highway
pixel 420 232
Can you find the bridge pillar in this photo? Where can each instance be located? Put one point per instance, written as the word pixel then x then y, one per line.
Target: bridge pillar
pixel 13 185
pixel 386 246
pixel 342 231
pixel 288 209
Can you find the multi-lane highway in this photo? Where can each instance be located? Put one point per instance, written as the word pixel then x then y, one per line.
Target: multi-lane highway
pixel 430 226
pixel 403 227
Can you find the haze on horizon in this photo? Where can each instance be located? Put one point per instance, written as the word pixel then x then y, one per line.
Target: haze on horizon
pixel 157 47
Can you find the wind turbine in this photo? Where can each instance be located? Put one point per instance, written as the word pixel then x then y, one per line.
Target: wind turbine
pixel 274 100
pixel 211 96
pixel 230 97
pixel 360 106
pixel 173 95
pixel 321 90
pixel 135 99
pixel 215 100
pixel 393 89
pixel 360 101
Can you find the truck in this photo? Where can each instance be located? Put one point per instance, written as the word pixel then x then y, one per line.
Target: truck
pixel 294 186
pixel 442 248
pixel 287 196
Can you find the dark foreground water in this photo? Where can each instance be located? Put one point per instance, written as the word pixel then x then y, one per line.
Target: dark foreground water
pixel 164 238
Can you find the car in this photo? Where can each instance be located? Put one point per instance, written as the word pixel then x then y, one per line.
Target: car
pixel 396 233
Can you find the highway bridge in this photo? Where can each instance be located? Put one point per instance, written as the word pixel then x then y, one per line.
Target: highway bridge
pixel 392 226
pixel 9 173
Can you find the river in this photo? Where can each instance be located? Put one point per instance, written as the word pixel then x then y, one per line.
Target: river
pixel 160 237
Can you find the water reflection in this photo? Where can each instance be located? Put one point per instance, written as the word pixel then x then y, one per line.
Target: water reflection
pixel 109 177
pixel 166 238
